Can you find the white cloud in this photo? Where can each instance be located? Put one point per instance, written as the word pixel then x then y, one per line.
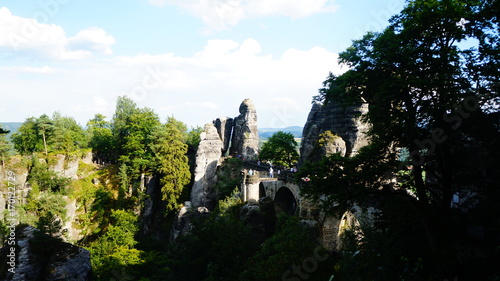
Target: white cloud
pixel 225 72
pixel 195 89
pixel 94 39
pixel 27 69
pixel 27 37
pixel 202 105
pixel 100 105
pixel 219 14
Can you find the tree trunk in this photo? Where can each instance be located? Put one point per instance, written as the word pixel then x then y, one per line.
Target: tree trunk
pixel 44 143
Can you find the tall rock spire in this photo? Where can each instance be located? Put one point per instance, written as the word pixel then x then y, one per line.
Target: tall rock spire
pixel 245 141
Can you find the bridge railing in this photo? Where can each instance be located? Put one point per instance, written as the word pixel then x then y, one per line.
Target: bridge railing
pixel 251 179
pixel 288 176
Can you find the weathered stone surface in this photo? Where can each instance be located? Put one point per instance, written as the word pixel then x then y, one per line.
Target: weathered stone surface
pixel 153 209
pixel 208 156
pixel 334 144
pixel 2 206
pixel 67 168
pixel 74 234
pixel 343 121
pixel 245 140
pixel 182 223
pixel 224 126
pixel 60 261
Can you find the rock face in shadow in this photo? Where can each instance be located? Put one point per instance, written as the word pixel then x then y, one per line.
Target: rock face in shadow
pixel 260 216
pixel 208 156
pixel 44 258
pixel 245 140
pixel 224 126
pixel 343 122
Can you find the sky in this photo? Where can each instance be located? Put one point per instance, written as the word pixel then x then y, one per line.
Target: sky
pixel 195 60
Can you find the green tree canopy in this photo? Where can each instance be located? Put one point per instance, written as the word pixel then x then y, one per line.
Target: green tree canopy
pixel 424 98
pixel 281 149
pixel 27 140
pixel 59 134
pixel 132 128
pixel 101 138
pixel 67 134
pixel 170 160
pixel 114 251
pixel 5 145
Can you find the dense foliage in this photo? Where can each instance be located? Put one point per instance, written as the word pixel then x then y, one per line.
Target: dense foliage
pixel 57 134
pixel 130 147
pixel 280 149
pixel 433 95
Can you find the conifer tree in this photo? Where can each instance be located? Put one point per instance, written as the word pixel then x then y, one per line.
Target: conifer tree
pixel 170 160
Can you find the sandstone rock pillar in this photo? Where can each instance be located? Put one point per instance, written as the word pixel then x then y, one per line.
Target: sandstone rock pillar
pixel 208 156
pixel 245 140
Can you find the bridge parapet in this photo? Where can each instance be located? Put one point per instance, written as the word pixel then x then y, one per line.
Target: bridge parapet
pixel 287 176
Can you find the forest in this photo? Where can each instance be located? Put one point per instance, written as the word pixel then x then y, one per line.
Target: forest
pixel 431 168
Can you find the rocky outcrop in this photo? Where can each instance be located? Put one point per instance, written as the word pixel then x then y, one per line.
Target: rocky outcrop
pixel 224 126
pixel 245 140
pixel 182 223
pixel 67 167
pixel 72 233
pixel 208 157
pixel 40 257
pixel 243 136
pixel 260 216
pixel 342 121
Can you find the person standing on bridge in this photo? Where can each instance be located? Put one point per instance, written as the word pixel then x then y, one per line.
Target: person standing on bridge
pixel 271 172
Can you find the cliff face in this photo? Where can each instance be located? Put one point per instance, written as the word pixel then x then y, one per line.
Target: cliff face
pixel 333 128
pixel 64 167
pixel 208 156
pixel 38 258
pixel 224 126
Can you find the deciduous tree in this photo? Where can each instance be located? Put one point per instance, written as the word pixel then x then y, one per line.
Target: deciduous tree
pixel 281 149
pixel 416 75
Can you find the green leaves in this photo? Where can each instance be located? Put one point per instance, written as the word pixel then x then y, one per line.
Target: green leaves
pixel 115 249
pixel 59 134
pixel 170 160
pixel 281 149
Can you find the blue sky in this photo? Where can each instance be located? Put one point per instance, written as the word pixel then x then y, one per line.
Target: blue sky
pixel 192 59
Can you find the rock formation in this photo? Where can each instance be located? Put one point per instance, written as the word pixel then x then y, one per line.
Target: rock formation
pixel 224 126
pixel 208 156
pixel 40 258
pixel 245 140
pixel 240 133
pixel 348 131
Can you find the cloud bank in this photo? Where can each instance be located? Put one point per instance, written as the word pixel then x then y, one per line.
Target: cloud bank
pixel 219 14
pixel 80 76
pixel 28 37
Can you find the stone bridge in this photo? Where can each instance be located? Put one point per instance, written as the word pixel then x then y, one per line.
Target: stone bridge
pixel 286 196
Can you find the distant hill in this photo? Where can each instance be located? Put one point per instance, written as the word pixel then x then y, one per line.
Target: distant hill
pixel 264 133
pixel 11 126
pixel 296 131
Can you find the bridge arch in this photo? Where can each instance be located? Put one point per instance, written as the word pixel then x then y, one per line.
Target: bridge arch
pixel 285 201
